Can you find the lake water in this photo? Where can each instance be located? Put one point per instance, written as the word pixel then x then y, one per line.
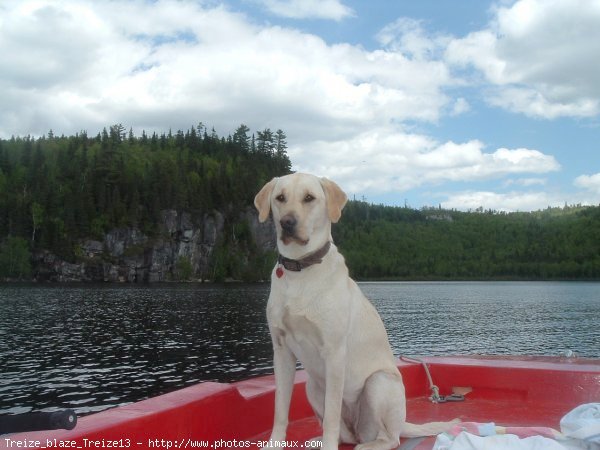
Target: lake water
pixel 93 347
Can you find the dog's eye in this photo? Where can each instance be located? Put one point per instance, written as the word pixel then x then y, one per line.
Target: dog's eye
pixel 280 198
pixel 309 198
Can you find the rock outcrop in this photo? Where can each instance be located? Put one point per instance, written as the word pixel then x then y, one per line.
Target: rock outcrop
pixel 128 255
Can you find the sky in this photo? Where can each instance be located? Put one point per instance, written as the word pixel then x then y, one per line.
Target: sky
pixel 454 103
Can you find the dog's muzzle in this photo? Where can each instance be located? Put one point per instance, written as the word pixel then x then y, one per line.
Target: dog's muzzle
pixel 288 225
pixel 289 230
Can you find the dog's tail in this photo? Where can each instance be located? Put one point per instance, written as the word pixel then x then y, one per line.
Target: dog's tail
pixel 411 430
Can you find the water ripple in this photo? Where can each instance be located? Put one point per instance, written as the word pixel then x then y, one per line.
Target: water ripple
pixel 94 347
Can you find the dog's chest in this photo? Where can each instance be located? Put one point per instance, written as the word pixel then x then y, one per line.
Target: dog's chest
pixel 296 317
pixel 300 323
pixel 306 341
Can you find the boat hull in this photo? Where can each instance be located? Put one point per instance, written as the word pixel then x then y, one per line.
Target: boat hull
pixel 510 391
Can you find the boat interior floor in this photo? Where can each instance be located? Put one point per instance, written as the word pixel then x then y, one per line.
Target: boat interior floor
pixel 503 411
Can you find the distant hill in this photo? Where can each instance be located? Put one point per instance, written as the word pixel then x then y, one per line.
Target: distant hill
pixel 382 242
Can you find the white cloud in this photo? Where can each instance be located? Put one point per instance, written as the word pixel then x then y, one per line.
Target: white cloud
pixel 407 36
pixel 526 182
pixel 511 201
pixel 532 200
pixel 535 103
pixel 184 62
pixel 540 55
pixel 387 160
pixel 478 49
pixel 304 9
pixel 589 182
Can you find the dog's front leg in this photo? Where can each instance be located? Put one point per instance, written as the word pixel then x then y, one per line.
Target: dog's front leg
pixel 284 363
pixel 335 368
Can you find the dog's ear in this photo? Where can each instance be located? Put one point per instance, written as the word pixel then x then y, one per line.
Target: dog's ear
pixel 336 199
pixel 262 201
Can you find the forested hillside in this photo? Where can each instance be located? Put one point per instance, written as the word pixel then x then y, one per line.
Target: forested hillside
pixel 57 191
pixel 381 242
pixel 178 206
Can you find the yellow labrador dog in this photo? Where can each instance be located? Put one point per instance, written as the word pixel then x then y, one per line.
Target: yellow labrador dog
pixel 318 315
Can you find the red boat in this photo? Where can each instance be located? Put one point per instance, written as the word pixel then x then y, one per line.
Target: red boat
pixel 510 391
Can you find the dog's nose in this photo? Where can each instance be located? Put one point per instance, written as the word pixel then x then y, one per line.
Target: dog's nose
pixel 288 223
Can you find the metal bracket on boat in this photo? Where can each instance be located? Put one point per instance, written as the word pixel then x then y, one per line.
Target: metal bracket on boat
pixel 450 398
pixel 435 396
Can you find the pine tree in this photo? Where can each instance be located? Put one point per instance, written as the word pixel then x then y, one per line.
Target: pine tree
pixel 265 142
pixel 280 142
pixel 241 139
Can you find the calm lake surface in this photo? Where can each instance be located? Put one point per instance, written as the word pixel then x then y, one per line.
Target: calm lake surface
pixel 94 347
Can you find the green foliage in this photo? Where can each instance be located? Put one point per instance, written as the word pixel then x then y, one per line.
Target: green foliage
pixel 15 259
pixel 224 263
pixel 237 257
pixel 184 271
pixel 382 242
pixel 55 190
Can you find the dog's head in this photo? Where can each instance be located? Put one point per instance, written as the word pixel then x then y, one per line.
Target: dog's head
pixel 303 208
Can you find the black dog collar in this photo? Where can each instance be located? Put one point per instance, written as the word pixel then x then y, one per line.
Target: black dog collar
pixel 296 265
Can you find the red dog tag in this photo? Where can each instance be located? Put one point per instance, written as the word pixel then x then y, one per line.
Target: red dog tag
pixel 279 272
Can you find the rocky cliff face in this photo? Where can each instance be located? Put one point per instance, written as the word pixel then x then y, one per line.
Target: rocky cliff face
pixel 128 255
